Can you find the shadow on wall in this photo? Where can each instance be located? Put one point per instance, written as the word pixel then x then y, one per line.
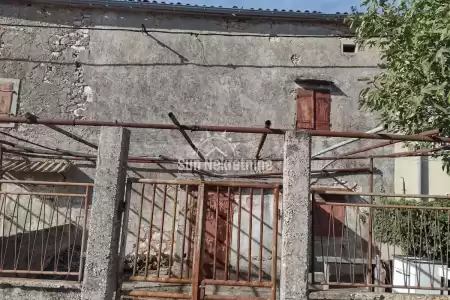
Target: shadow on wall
pixel 42 226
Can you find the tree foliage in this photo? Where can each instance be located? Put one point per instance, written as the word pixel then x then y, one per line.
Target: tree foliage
pixel 411 93
pixel 419 232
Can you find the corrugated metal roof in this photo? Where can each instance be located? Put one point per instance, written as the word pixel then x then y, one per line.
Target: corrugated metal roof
pixel 47 166
pixel 178 7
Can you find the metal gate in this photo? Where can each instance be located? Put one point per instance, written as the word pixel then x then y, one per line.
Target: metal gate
pixel 187 239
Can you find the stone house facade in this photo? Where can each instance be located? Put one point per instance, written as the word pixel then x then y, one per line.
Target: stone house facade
pixel 136 62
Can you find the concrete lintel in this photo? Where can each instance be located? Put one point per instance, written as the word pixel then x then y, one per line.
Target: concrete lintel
pixel 296 216
pixel 100 271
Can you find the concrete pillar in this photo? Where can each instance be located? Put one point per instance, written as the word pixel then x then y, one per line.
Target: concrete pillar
pixel 100 271
pixel 296 227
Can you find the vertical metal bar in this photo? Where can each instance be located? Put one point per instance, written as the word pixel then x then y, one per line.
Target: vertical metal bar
pixel 30 256
pixel 186 205
pixel 216 233
pixel 250 229
pixel 313 207
pixel 190 238
pixel 172 242
pixel 42 236
pixel 9 233
pixel 3 209
pixel 56 238
pixel 261 236
pixel 16 215
pixel 447 250
pixel 238 247
pixel 123 235
pixel 227 239
pixel 49 229
pixel 25 227
pixel 138 235
pixel 78 218
pixel 84 235
pixel 198 249
pixel 70 232
pixel 21 240
pixel 276 193
pixel 370 236
pixel 62 233
pixel 161 229
pixel 150 230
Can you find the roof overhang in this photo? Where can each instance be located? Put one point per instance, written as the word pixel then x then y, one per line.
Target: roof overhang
pixel 200 10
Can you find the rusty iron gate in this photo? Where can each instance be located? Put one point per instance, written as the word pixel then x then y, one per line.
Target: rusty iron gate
pixel 188 239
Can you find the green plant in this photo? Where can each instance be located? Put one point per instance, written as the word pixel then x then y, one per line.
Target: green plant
pixel 412 92
pixel 419 232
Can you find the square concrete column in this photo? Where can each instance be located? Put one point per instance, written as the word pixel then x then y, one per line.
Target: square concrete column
pixel 296 226
pixel 100 271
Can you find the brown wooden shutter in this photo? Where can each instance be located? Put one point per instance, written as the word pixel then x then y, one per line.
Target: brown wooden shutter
pixel 6 96
pixel 305 109
pixel 322 110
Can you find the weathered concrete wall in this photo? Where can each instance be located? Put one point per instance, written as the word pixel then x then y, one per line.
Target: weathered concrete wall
pixel 204 70
pixel 214 71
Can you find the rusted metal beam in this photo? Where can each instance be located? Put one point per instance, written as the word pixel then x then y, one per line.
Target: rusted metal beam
pixel 213 182
pixel 64 132
pixel 137 294
pixel 73 136
pixel 262 175
pixel 324 191
pixel 182 128
pixel 51 151
pixel 234 129
pixel 420 152
pixel 383 144
pixel 267 124
pixel 75 122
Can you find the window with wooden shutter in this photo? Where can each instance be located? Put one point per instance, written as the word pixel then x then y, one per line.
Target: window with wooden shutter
pixel 313 110
pixel 6 97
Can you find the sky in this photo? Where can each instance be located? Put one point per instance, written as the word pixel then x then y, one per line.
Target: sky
pixel 325 6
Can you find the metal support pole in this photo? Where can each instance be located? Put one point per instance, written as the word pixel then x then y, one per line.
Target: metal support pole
pixel 370 236
pixel 267 124
pixel 198 250
pixel 185 135
pixel 65 132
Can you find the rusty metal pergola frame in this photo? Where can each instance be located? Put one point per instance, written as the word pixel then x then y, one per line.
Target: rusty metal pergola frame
pixel 57 153
pixel 43 151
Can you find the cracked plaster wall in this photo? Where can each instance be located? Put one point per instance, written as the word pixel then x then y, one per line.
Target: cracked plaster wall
pixel 206 71
pixel 137 66
pixel 105 65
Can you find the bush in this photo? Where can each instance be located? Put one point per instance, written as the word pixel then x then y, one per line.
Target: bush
pixel 423 233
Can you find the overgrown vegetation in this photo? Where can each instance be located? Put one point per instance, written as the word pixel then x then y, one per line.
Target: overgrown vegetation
pixel 423 233
pixel 412 92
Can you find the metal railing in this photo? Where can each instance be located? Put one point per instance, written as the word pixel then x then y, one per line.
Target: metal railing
pixel 196 233
pixel 43 229
pixel 393 246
